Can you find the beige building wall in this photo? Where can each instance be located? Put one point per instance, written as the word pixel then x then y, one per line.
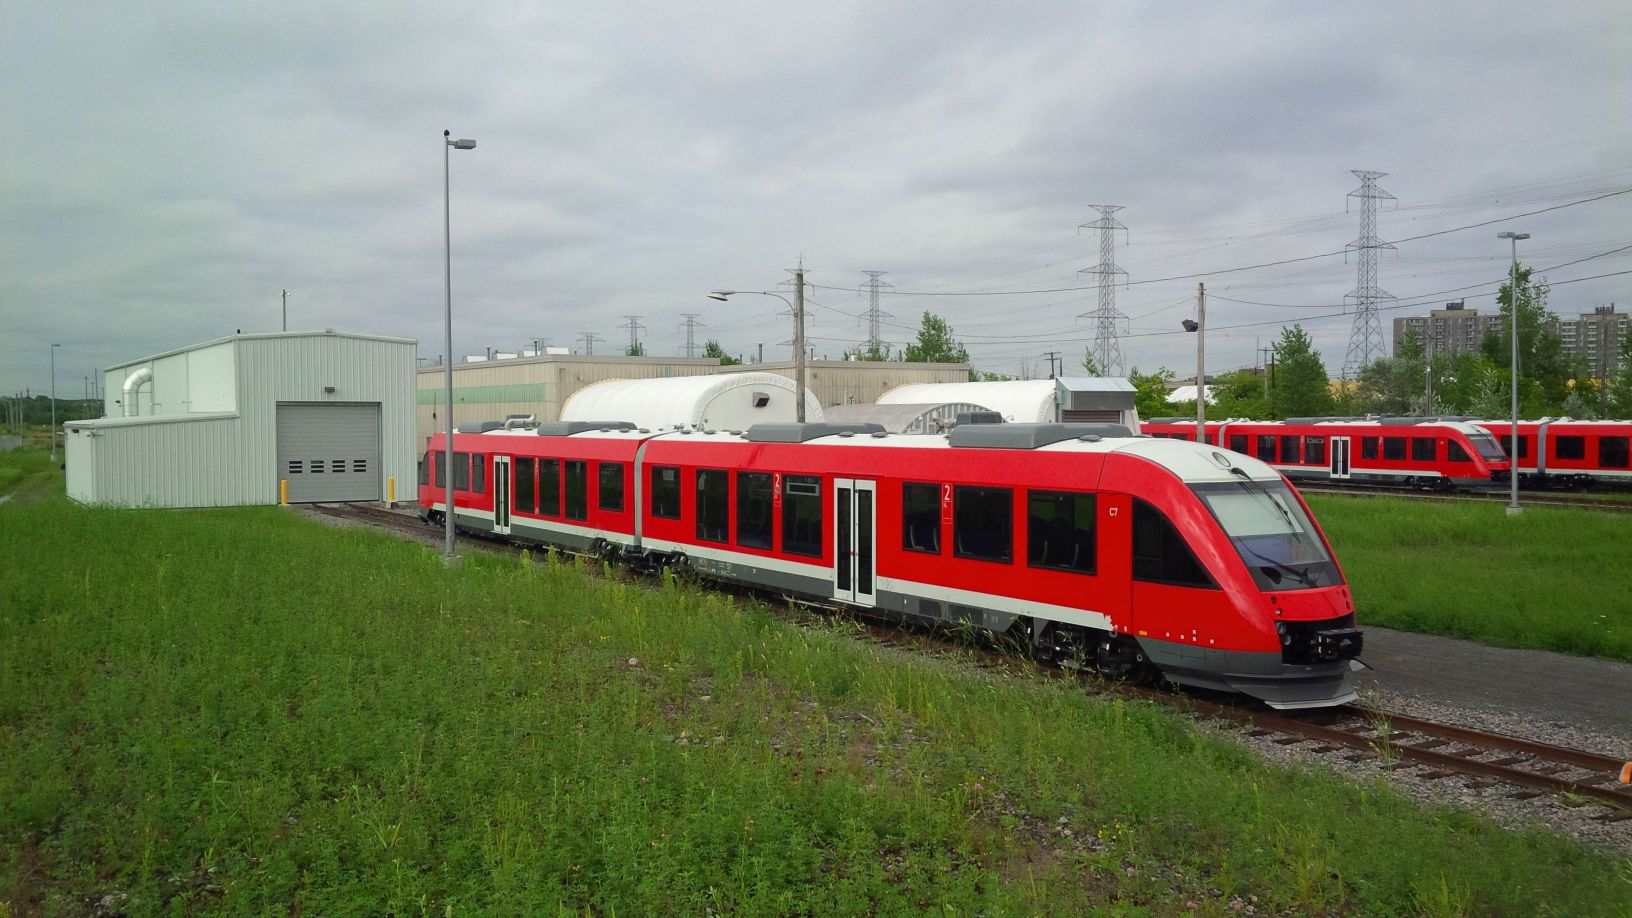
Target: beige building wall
pixel 859 382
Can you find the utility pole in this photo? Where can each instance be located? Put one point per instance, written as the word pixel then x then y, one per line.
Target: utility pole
pixel 1107 320
pixel 1428 372
pixel 285 310
pixel 1267 355
pixel 690 325
pixel 1053 357
pixel 54 401
pixel 634 333
pixel 1201 363
pixel 589 339
pixel 799 339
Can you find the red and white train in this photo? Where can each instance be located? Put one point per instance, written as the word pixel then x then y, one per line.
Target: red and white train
pixel 1129 554
pixel 1568 453
pixel 1412 452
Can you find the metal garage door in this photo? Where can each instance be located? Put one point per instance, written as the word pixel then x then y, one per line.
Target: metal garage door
pixel 329 452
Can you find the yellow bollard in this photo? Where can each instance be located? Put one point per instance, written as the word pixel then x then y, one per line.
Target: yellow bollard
pixel 391 490
pixel 283 492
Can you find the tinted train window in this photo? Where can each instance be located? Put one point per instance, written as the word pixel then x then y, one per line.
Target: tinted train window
pixel 1060 531
pixel 1524 446
pixel 1612 452
pixel 478 470
pixel 611 482
pixel 461 471
pixel 1563 448
pixel 525 494
pixel 549 487
pixel 1238 443
pixel 1160 554
pixel 1422 449
pixel 1368 448
pixel 754 509
pixel 713 505
pixel 921 517
pixel 666 492
pixel 1393 447
pixel 982 523
pixel 802 515
pixel 1266 447
pixel 1455 453
pixel 577 489
pixel 441 472
pixel 425 469
pixel 1292 450
pixel 1315 450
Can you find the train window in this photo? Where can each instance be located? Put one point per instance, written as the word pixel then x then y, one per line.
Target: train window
pixel 666 492
pixel 1179 436
pixel 802 515
pixel 611 481
pixel 577 489
pixel 1368 447
pixel 549 487
pixel 1613 452
pixel 478 469
pixel 524 495
pixel 1314 450
pixel 1422 449
pixel 754 493
pixel 1393 447
pixel 461 471
pixel 1455 453
pixel 441 471
pixel 983 523
pixel 1238 443
pixel 1266 447
pixel 425 468
pixel 1564 448
pixel 1160 554
pixel 1060 531
pixel 1524 446
pixel 713 505
pixel 921 518
pixel 1292 450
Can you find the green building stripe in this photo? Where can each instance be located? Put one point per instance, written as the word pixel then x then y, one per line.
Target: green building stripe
pixel 485 395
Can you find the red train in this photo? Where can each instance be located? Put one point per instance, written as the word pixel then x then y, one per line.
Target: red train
pixel 1568 453
pixel 1129 554
pixel 1413 452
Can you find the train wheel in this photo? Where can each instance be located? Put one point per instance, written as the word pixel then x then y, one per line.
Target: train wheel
pixel 1121 659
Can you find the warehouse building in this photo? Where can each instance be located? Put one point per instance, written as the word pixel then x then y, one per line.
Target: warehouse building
pixel 250 419
pixel 490 390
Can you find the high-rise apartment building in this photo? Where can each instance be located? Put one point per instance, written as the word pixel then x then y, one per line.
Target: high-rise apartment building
pixel 1447 332
pixel 1595 337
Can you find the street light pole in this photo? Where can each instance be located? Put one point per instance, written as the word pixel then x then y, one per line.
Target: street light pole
pixel 447 276
pixel 798 308
pixel 1201 363
pixel 1513 508
pixel 54 401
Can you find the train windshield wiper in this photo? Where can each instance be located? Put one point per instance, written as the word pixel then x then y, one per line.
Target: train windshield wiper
pixel 1302 576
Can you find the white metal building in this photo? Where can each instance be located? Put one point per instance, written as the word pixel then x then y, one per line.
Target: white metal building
pixel 734 401
pixel 935 418
pixel 328 415
pixel 1033 401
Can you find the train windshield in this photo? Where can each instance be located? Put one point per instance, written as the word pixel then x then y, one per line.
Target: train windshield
pixel 1489 449
pixel 1271 532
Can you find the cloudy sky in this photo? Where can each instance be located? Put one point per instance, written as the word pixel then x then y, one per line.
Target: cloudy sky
pixel 169 168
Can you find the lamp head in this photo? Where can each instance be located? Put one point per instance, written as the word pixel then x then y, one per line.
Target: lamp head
pixel 462 144
pixel 720 295
pixel 1511 235
pixel 1190 325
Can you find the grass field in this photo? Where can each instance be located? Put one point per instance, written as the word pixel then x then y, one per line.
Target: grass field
pixel 242 711
pixel 1553 578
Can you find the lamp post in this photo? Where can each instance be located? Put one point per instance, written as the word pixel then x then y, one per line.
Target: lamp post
pixel 1199 326
pixel 54 401
pixel 1513 508
pixel 798 308
pixel 448 143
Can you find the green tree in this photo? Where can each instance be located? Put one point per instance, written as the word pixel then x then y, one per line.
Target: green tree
pixel 1089 366
pixel 935 343
pixel 1619 400
pixel 716 350
pixel 1394 385
pixel 635 350
pixel 868 351
pixel 1544 367
pixel 1299 386
pixel 1236 394
pixel 1150 392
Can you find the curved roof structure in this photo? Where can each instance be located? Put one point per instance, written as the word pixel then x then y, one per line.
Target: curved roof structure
pixel 724 402
pixel 1020 401
pixel 903 418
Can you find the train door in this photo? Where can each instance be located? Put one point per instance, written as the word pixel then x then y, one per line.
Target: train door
pixel 1113 597
pixel 1340 457
pixel 854 541
pixel 501 494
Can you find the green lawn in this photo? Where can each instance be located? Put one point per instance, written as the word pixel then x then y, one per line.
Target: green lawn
pixel 1553 578
pixel 242 711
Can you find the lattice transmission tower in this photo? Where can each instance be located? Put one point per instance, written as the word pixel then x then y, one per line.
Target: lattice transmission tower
pixel 635 329
pixel 876 345
pixel 691 325
pixel 1366 340
pixel 1107 347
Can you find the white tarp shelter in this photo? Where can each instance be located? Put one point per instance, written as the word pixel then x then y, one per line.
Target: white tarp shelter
pixel 734 401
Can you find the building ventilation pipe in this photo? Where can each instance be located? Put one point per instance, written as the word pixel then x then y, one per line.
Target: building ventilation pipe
pixel 133 385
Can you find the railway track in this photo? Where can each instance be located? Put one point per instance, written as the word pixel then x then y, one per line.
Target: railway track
pixel 1607 505
pixel 1441 751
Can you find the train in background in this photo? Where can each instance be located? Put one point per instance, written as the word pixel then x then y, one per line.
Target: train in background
pixel 1567 453
pixel 1432 453
pixel 1134 556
